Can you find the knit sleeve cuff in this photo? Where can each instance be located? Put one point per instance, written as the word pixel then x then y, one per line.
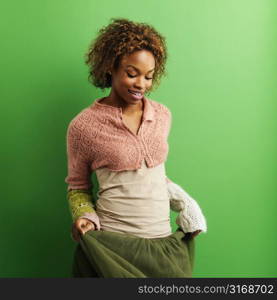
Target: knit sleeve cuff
pixel 80 203
pixel 190 217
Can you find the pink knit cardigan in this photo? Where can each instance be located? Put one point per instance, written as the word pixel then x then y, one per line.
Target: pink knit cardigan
pixel 97 137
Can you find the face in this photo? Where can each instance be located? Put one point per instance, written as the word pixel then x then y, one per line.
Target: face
pixel 133 77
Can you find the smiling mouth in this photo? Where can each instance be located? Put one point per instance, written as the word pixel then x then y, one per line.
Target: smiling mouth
pixel 135 93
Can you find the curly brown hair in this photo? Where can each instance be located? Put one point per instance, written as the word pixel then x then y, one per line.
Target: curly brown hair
pixel 123 37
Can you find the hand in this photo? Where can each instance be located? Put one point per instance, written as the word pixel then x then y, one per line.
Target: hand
pixel 80 227
pixel 195 233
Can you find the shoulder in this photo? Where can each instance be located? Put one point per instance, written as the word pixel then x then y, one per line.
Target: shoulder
pixel 80 122
pixel 160 108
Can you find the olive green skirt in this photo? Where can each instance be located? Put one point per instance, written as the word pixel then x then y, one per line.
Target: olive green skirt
pixel 108 254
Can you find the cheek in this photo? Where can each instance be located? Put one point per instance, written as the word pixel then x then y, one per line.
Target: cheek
pixel 121 84
pixel 127 82
pixel 149 84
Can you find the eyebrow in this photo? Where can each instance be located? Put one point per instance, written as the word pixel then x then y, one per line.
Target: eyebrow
pixel 138 69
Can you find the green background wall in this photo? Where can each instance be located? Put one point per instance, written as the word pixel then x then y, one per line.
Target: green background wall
pixel 222 93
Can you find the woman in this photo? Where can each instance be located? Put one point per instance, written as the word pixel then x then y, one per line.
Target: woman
pixel 123 139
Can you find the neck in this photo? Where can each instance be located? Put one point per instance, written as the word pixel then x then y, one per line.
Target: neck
pixel 127 108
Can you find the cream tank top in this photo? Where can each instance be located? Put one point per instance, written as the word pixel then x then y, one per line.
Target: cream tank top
pixel 134 201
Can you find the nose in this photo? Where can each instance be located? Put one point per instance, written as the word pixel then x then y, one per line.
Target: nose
pixel 139 83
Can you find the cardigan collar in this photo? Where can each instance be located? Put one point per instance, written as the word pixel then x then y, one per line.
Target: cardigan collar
pixel 148 109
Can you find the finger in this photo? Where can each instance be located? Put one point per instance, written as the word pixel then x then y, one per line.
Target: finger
pixel 73 232
pixel 80 225
pixel 76 234
pixel 83 230
pixel 76 238
pixel 196 233
pixel 87 226
pixel 91 226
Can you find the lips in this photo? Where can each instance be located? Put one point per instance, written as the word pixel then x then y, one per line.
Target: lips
pixel 138 94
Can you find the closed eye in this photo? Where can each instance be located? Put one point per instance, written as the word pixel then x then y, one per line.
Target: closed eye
pixel 132 76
